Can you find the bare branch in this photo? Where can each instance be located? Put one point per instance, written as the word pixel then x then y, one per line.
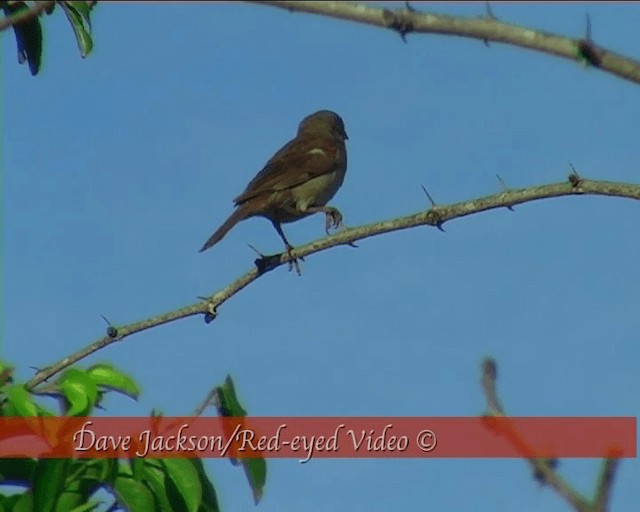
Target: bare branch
pixel 543 468
pixel 605 483
pixel 435 216
pixel 484 29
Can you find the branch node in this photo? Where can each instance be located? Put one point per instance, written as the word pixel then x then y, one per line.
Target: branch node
pixel 504 187
pixel 539 474
pixel 574 177
pixel 211 313
pixel 112 332
pixel 399 21
pixel 434 218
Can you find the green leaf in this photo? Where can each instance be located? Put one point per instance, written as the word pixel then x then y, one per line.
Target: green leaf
pixel 185 478
pixel 137 465
pixel 21 400
pixel 256 471
pixel 228 401
pixel 209 497
pixel 79 390
pixel 78 15
pixel 84 478
pixel 101 471
pixel 24 503
pixel 107 376
pixel 255 468
pixel 48 483
pixel 154 476
pixel 28 36
pixel 133 496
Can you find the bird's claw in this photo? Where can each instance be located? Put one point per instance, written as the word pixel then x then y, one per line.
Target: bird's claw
pixel 333 219
pixel 293 261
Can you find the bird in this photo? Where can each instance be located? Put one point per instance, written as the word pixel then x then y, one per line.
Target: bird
pixel 299 180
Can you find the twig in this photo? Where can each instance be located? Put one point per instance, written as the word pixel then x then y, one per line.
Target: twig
pixel 209 400
pixel 605 483
pixel 543 469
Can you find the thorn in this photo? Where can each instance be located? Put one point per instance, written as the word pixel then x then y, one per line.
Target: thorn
pixel 352 244
pixel 490 14
pixel 504 187
pixel 433 203
pixel 587 51
pixel 439 226
pixel 407 4
pixel 256 251
pixel 106 319
pixel 574 177
pixel 573 169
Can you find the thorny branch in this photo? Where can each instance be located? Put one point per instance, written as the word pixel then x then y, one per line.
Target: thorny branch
pixel 434 216
pixel 485 28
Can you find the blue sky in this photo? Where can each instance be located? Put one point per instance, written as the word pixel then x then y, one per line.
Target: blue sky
pixel 119 166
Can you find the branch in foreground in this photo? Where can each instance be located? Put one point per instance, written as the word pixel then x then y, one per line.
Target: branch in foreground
pixel 405 21
pixel 544 469
pixel 27 14
pixel 436 216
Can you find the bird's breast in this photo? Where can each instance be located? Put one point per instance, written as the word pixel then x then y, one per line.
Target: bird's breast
pixel 317 191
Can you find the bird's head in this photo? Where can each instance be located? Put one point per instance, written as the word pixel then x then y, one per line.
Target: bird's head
pixel 322 122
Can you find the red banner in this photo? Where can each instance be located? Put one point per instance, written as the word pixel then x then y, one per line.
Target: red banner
pixel 305 438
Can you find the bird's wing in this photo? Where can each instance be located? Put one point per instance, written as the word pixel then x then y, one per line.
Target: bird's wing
pixel 295 163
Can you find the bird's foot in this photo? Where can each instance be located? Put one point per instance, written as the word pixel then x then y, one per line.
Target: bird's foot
pixel 333 218
pixel 293 261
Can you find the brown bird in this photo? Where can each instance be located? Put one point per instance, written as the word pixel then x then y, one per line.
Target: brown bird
pixel 299 180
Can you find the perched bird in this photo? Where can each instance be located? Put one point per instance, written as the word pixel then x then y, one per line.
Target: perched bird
pixel 299 180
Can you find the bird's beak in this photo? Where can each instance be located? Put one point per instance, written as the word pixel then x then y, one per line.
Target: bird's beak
pixel 344 134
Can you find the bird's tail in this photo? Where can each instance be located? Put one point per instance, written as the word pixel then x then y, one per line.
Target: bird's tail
pixel 234 218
